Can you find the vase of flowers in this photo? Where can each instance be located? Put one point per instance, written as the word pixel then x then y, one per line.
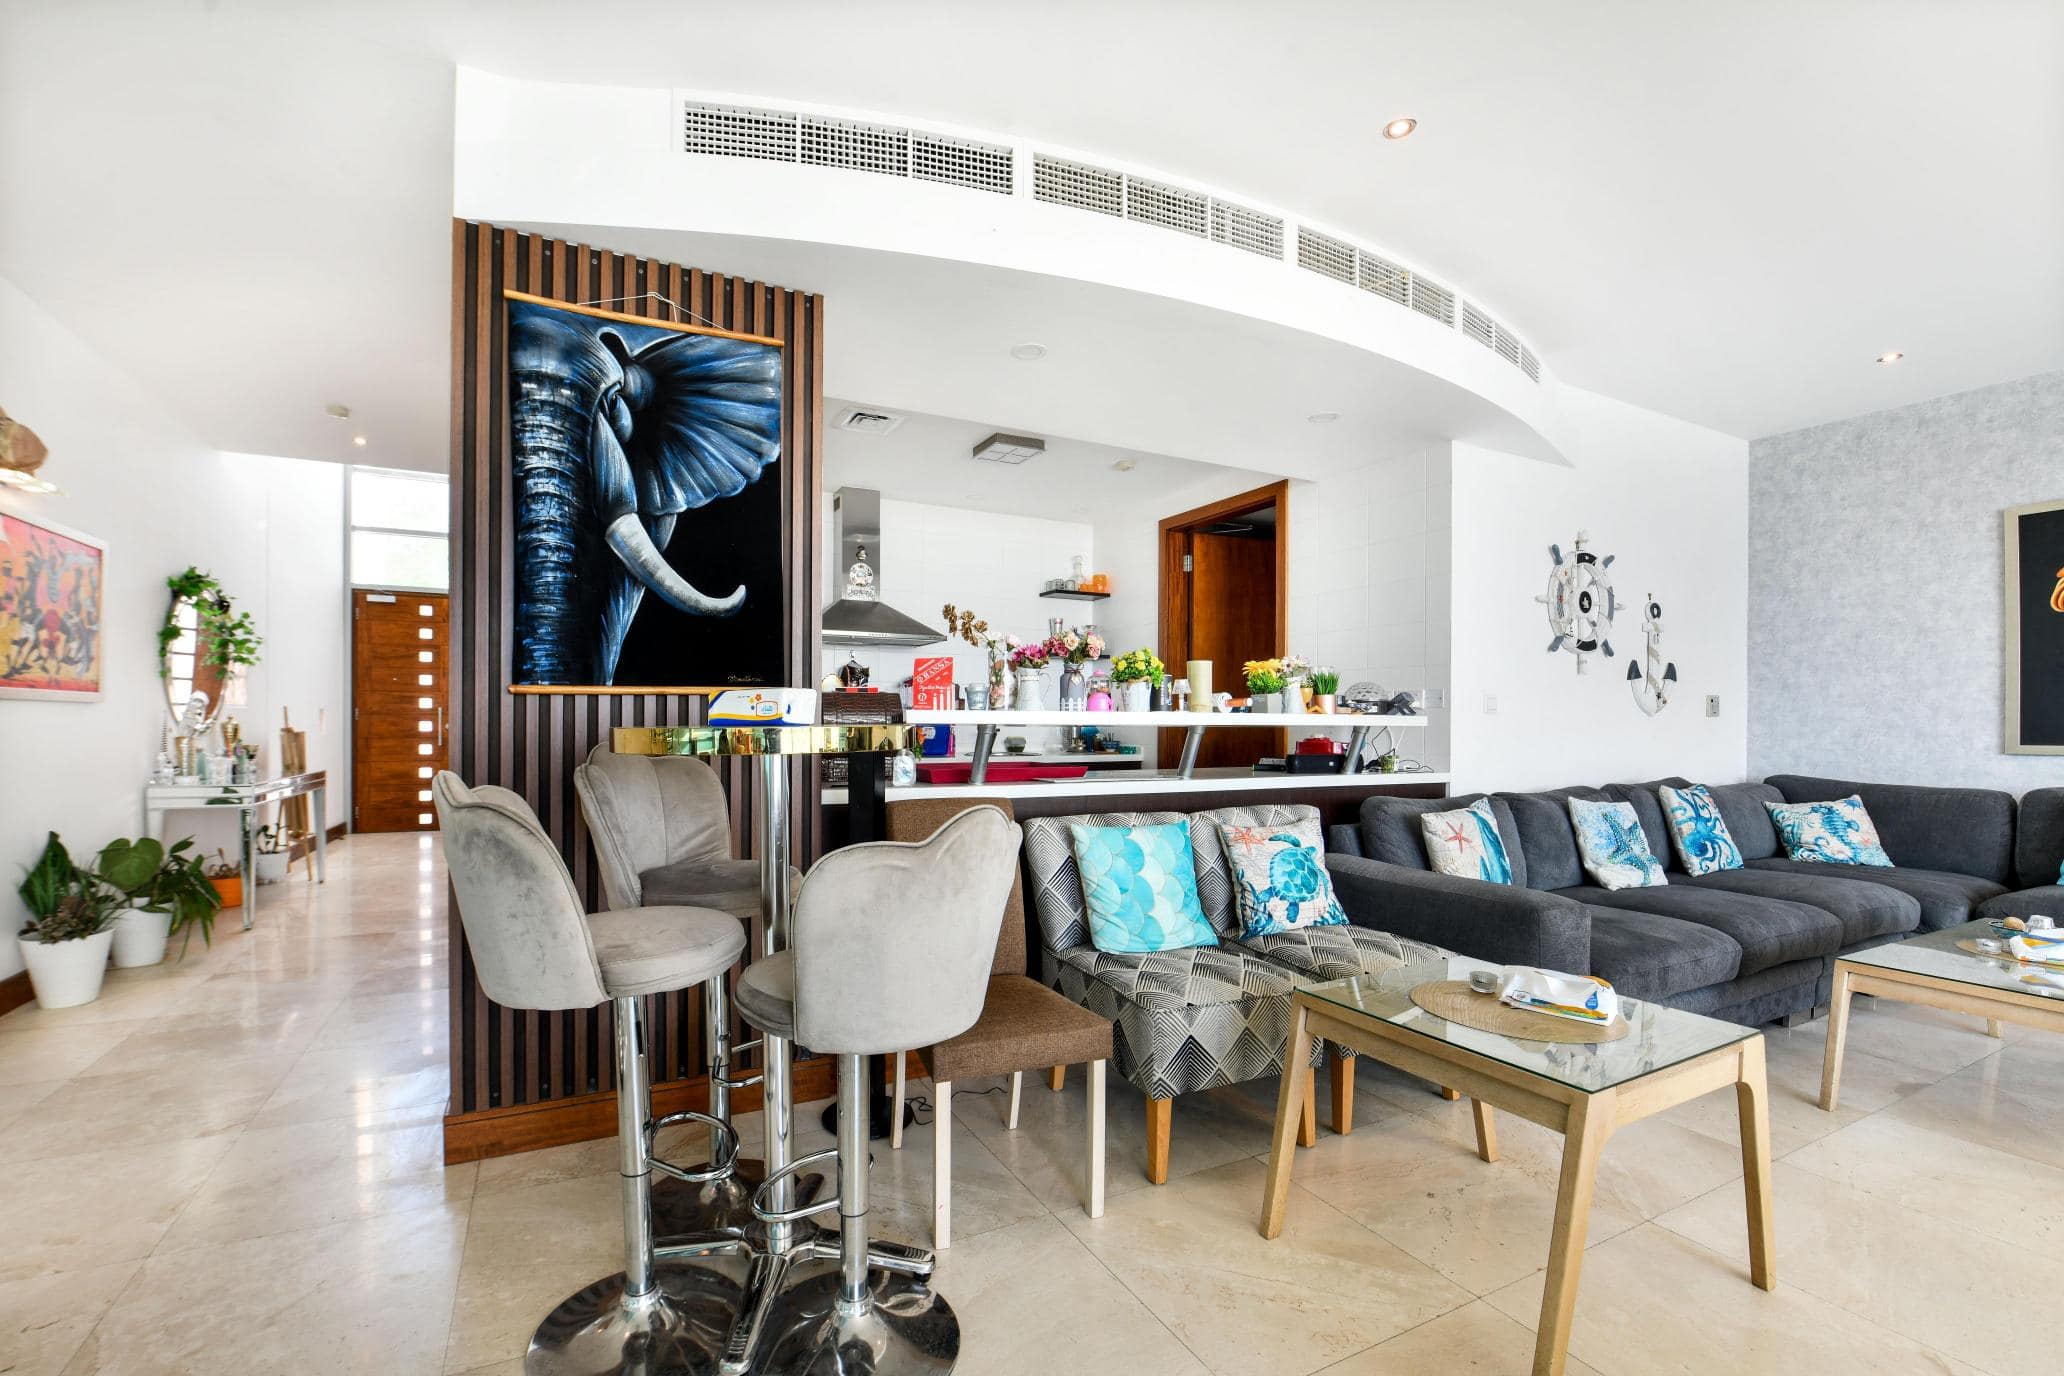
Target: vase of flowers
pixel 1325 683
pixel 1297 689
pixel 1265 684
pixel 1136 674
pixel 1075 647
pixel 1028 663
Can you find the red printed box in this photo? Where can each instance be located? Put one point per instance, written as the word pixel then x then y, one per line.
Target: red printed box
pixel 931 684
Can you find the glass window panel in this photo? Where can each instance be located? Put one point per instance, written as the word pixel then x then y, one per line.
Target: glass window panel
pixel 382 559
pixel 400 501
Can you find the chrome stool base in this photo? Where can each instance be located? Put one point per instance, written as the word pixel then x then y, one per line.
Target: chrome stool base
pixel 905 1328
pixel 676 1329
pixel 680 1209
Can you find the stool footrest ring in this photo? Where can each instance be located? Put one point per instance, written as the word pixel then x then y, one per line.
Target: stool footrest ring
pixel 802 1163
pixel 723 1148
pixel 742 1082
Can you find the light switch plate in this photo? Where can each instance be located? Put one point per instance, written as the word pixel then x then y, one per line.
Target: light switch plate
pixel 1490 704
pixel 1437 698
pixel 1712 704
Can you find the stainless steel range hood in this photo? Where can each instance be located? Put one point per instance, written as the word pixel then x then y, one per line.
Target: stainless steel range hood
pixel 856 516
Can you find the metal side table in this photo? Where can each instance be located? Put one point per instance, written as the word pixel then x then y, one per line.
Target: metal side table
pixel 159 799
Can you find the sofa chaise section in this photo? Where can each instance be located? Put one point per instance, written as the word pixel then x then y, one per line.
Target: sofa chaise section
pixel 2038 856
pixel 1952 849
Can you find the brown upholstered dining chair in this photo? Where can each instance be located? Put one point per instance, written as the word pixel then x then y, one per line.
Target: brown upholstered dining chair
pixel 1024 1026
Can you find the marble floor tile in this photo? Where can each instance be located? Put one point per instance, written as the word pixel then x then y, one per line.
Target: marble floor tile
pixel 43 1319
pixel 1995 1105
pixel 370 1298
pixel 986 1195
pixel 1916 1274
pixel 355 1081
pixel 63 1213
pixel 1475 1340
pixel 526 1250
pixel 17 1099
pixel 1328 1288
pixel 418 1015
pixel 99 1112
pixel 31 1053
pixel 1653 1301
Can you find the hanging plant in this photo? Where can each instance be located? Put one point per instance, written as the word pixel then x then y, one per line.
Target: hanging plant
pixel 226 637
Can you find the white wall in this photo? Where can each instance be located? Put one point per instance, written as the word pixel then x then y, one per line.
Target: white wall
pixel 270 529
pixel 1875 587
pixel 1670 500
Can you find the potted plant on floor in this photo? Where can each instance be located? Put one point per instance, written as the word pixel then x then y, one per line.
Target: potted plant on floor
pixel 228 879
pixel 183 889
pixel 270 862
pixel 65 943
pixel 129 869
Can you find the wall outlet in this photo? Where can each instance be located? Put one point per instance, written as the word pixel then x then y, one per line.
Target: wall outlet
pixel 1436 698
pixel 1490 704
pixel 1712 704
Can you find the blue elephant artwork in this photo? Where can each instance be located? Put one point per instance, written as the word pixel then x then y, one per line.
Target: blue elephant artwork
pixel 648 544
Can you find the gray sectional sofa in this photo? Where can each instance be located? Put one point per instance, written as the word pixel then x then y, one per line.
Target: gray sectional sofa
pixel 1751 945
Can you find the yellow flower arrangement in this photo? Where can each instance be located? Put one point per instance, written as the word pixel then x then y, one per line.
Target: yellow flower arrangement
pixel 1264 675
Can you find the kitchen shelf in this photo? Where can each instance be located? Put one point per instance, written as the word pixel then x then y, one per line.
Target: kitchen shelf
pixel 1074 595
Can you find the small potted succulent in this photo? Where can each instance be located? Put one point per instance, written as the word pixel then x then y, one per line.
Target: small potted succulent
pixel 65 942
pixel 1137 673
pixel 1325 685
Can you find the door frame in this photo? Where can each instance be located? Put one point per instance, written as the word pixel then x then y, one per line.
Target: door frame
pixel 352 593
pixel 1174 598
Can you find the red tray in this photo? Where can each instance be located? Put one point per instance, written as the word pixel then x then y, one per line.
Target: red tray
pixel 1000 771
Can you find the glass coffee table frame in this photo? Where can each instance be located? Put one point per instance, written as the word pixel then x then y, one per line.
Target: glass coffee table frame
pixel 1931 971
pixel 1584 1092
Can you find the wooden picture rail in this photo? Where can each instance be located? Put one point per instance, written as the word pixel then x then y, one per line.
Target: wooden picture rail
pixel 521 1080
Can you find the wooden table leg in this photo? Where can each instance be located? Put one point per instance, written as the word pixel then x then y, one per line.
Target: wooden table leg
pixel 1451 1095
pixel 1993 1029
pixel 1308 1111
pixel 1486 1130
pixel 1297 1078
pixel 1583 1138
pixel 1342 1069
pixel 1752 1099
pixel 1160 1112
pixel 1837 1039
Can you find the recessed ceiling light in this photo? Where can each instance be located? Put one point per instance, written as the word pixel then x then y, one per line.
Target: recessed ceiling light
pixel 1124 465
pixel 1892 357
pixel 1028 353
pixel 337 410
pixel 1398 128
pixel 1323 417
pixel 359 440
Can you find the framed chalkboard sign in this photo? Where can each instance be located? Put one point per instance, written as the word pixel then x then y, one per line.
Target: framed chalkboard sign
pixel 2035 629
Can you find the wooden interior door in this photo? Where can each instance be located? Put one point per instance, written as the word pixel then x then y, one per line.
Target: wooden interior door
pixel 1232 621
pixel 399 682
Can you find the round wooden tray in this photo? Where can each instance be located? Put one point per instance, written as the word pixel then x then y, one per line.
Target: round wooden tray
pixel 1454 1000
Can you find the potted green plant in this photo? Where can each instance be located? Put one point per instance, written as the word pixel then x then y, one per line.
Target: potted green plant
pixel 184 890
pixel 226 877
pixel 1136 672
pixel 1325 685
pixel 1265 684
pixel 65 942
pixel 160 892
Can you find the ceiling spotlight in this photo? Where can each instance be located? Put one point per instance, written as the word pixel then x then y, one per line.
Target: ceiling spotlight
pixel 1323 417
pixel 359 440
pixel 1892 357
pixel 337 410
pixel 1124 465
pixel 1028 353
pixel 1398 128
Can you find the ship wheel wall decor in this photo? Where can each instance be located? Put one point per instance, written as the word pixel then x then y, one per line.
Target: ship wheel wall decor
pixel 1580 601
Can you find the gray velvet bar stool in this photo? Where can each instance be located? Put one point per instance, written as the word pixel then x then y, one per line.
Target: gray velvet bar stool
pixel 662 832
pixel 672 1308
pixel 892 943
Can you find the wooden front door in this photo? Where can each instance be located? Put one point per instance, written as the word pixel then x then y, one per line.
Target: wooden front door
pixel 399 681
pixel 1232 621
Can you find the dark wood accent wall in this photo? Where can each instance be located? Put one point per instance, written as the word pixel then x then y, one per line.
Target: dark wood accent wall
pixel 503 1058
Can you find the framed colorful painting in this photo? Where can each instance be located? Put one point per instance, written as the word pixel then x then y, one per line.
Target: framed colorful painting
pixel 52 583
pixel 2035 629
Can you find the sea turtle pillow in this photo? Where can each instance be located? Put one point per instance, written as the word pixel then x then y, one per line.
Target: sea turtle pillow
pixel 1833 833
pixel 1139 885
pixel 1279 875
pixel 1698 831
pixel 1466 843
pixel 1613 846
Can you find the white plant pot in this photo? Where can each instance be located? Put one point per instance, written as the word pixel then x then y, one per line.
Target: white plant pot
pixel 270 866
pixel 65 974
pixel 1133 695
pixel 140 938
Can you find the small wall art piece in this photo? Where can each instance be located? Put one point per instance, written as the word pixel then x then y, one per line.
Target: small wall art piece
pixel 1580 601
pixel 648 541
pixel 2035 629
pixel 51 591
pixel 1653 678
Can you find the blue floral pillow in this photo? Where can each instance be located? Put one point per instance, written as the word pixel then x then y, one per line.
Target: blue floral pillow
pixel 1836 833
pixel 1613 846
pixel 1698 831
pixel 1140 886
pixel 1279 875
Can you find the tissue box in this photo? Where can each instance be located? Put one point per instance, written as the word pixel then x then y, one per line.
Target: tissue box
pixel 1581 998
pixel 763 707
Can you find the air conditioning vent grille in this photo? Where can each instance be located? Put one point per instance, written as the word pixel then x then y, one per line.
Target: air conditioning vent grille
pixel 1528 364
pixel 729 132
pixel 1247 229
pixel 1430 298
pixel 1171 207
pixel 1327 257
pixel 1059 182
pixel 959 162
pixel 1385 279
pixel 1478 326
pixel 856 147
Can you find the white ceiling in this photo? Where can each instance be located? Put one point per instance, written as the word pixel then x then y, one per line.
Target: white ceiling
pixel 1720 212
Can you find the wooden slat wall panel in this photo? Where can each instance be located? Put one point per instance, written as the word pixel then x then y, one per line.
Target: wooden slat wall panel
pixel 503 1057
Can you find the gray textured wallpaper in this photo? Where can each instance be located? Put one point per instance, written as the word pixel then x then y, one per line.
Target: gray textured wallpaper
pixel 1875 633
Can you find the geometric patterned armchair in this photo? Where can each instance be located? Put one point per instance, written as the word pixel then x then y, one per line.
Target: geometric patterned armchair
pixel 1197 1017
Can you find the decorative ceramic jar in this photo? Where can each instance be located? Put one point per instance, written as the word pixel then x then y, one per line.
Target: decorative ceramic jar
pixel 1074 689
pixel 1031 690
pixel 1135 695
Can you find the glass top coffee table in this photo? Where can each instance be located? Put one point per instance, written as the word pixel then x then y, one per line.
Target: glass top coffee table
pixel 1582 1091
pixel 1932 970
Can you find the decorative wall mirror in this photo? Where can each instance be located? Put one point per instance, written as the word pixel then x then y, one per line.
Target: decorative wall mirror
pixel 203 645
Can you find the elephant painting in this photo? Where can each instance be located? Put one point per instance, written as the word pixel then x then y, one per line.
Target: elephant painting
pixel 628 438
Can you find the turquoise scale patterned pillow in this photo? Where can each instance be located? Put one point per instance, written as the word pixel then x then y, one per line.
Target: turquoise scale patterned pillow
pixel 1140 887
pixel 1698 831
pixel 1279 875
pixel 1613 846
pixel 1836 833
pixel 1466 843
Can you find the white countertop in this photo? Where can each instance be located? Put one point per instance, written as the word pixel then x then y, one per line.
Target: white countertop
pixel 1012 717
pixel 1156 781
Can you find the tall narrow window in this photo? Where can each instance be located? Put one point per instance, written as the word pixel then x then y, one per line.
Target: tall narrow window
pixel 399 530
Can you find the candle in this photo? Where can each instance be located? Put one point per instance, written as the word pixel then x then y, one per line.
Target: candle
pixel 1198 672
